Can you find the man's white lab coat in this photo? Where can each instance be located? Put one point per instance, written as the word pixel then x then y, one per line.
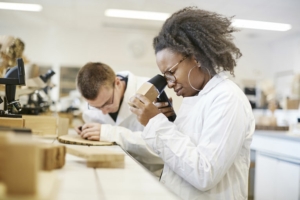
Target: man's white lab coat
pixel 126 124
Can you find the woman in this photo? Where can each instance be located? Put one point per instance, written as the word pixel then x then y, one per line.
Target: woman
pixel 206 151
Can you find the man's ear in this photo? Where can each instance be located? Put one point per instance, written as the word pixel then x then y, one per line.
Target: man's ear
pixel 117 80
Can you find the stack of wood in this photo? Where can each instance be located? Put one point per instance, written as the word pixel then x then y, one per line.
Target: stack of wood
pixel 21 162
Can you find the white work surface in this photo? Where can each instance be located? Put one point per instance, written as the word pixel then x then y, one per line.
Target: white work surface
pixel 277 168
pixel 77 181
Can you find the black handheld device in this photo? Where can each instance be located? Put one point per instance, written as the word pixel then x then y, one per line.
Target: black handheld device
pixel 160 83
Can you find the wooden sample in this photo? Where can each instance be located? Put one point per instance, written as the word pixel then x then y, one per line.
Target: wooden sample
pixel 19 167
pixel 76 139
pixel 52 156
pixel 12 122
pixel 98 157
pixel 149 91
pixel 50 126
pixel 41 125
pixel 95 154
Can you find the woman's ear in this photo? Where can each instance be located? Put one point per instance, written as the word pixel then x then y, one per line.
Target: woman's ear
pixel 197 63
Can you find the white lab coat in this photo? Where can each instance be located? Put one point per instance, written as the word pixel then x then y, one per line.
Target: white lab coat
pixel 206 150
pixel 126 125
pixel 125 118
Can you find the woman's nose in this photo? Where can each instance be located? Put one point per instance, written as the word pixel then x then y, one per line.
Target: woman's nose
pixel 171 84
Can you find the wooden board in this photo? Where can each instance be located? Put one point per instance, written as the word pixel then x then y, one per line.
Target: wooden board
pixel 98 157
pixel 76 139
pixel 41 125
pixel 118 164
pixel 12 122
pixel 95 154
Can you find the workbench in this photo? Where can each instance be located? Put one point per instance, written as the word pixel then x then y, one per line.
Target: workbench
pixel 76 181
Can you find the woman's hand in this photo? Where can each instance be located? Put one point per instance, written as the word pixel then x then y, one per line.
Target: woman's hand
pixel 143 108
pixel 164 108
pixel 91 131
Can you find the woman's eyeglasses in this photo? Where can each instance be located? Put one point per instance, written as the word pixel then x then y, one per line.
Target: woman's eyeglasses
pixel 169 76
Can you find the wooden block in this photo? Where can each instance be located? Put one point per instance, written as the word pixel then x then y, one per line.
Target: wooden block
pixel 20 167
pixel 12 122
pixel 116 164
pixel 63 126
pixel 95 154
pixel 148 90
pixel 52 156
pixel 69 116
pixel 41 125
pixel 76 139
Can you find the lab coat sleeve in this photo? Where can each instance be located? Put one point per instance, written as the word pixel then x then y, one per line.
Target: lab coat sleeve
pixel 204 164
pixel 131 142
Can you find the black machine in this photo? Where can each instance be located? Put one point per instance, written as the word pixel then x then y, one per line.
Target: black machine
pixel 14 76
pixel 160 83
pixel 37 101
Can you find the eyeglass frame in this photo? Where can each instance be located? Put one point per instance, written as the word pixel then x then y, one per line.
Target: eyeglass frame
pixel 106 104
pixel 172 73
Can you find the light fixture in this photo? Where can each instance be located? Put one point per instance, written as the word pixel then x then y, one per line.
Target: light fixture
pixel 132 14
pixel 241 23
pixel 21 6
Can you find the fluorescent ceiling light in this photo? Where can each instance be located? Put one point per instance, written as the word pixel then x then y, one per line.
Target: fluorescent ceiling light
pixel 21 6
pixel 132 14
pixel 241 23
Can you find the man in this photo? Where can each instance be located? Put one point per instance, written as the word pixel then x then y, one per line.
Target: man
pixel 107 95
pixel 108 113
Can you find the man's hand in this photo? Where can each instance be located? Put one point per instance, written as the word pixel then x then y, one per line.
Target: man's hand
pixel 78 129
pixel 164 108
pixel 90 131
pixel 143 108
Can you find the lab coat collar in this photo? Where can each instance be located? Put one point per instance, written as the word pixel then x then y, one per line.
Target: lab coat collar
pixel 212 83
pixel 129 92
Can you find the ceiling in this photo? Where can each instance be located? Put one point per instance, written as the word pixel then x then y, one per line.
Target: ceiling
pixel 89 15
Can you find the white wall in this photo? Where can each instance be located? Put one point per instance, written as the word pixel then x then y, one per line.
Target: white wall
pixel 285 64
pixel 131 49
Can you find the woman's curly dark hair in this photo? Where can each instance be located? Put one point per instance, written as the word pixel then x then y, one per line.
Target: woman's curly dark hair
pixel 204 34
